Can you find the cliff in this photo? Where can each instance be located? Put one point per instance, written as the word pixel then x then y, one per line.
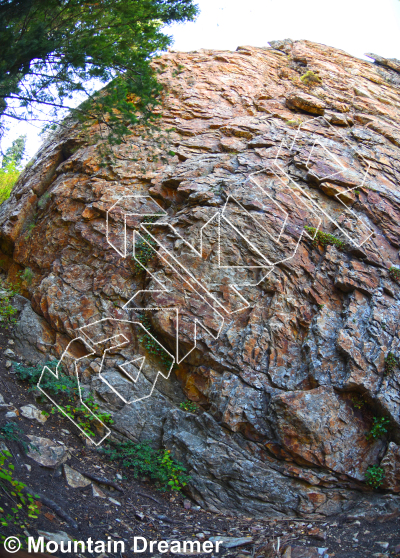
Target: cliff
pixel 266 213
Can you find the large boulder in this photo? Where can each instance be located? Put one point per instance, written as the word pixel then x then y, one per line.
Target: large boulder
pixel 254 240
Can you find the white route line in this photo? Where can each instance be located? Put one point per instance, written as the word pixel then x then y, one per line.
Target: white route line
pixel 186 277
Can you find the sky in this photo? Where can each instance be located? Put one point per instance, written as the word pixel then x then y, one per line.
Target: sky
pixel 355 26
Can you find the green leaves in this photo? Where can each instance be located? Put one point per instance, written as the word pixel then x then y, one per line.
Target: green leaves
pixel 15 153
pixel 53 49
pixel 146 461
pixel 374 476
pixel 14 489
pixel 7 310
pixel 378 428
pixel 188 406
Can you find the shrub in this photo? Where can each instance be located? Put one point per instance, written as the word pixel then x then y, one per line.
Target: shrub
pixel 81 415
pixel 11 167
pixel 325 239
pixel 29 228
pixel 64 384
pixel 67 391
pixel 146 461
pixel 378 428
pixel 374 476
pixel 43 200
pixel 12 432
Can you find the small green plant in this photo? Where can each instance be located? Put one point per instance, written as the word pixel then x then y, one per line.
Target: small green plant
pixel 178 70
pixel 391 363
pixel 188 406
pixel 151 344
pixel 29 229
pixel 145 247
pixel 43 200
pixel 358 401
pixel 357 192
pixel 7 310
pixel 81 415
pixel 21 504
pixel 374 476
pixel 63 385
pixel 12 432
pixel 378 428
pixel 325 239
pixel 311 78
pixel 394 273
pixel 320 306
pixel 26 275
pixel 149 462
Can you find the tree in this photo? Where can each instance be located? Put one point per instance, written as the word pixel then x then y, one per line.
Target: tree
pixel 15 153
pixel 52 49
pixel 11 167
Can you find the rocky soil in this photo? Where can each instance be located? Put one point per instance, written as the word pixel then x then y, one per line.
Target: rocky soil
pixel 271 247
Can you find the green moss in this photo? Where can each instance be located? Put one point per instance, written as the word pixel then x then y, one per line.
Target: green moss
pixel 325 239
pixel 294 123
pixel 311 78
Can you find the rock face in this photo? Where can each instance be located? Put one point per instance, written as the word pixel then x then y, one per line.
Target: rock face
pixel 266 214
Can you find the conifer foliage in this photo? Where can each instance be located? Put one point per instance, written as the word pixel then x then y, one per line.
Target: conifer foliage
pixel 52 49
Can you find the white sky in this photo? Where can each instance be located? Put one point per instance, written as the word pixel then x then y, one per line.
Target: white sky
pixel 356 26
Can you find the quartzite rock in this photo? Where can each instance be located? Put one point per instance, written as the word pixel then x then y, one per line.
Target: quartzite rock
pixel 46 452
pixel 288 389
pixel 74 478
pixel 33 413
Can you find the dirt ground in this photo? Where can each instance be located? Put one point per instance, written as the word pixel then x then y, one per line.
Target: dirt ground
pixel 147 512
